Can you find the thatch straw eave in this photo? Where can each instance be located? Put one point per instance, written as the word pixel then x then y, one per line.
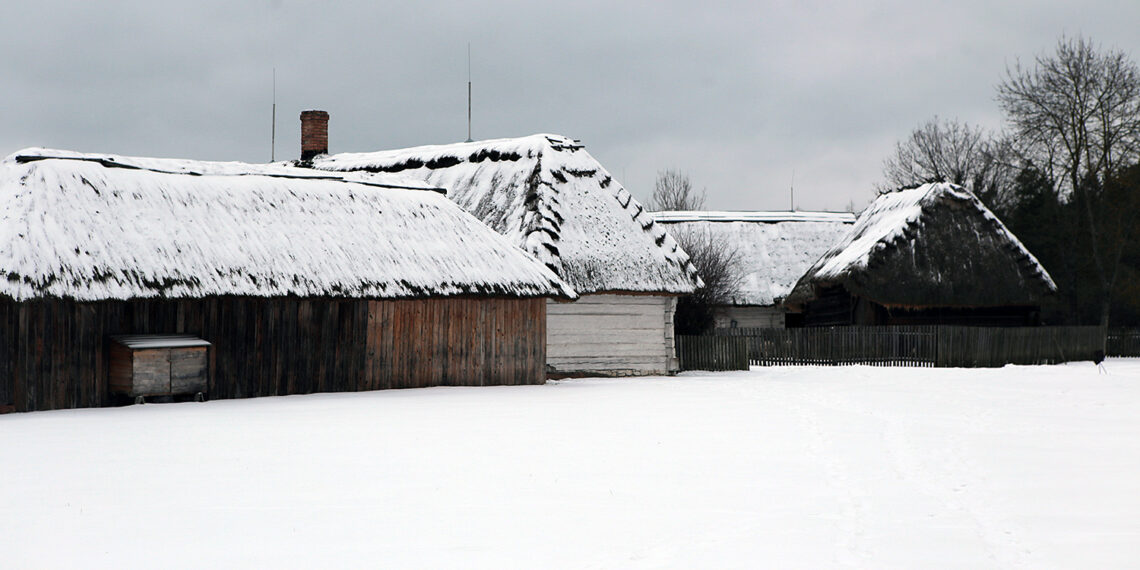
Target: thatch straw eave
pixel 101 227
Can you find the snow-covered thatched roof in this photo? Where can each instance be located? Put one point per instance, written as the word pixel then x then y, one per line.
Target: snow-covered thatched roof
pixel 935 245
pixel 547 195
pixel 772 249
pixel 93 227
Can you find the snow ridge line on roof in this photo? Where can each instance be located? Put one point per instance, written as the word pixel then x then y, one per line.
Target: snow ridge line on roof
pixel 773 216
pixel 111 162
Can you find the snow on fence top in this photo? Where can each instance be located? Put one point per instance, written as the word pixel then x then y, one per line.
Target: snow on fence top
pixel 93 227
pixel 772 249
pixel 546 194
pixel 932 245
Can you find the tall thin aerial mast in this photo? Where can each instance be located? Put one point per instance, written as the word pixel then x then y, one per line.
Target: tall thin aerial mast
pixel 792 204
pixel 273 135
pixel 468 91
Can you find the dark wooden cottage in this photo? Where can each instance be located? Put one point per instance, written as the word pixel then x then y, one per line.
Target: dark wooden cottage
pixel 300 281
pixel 930 255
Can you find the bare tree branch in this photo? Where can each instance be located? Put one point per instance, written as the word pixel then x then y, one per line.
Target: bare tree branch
pixel 674 191
pixel 952 151
pixel 718 264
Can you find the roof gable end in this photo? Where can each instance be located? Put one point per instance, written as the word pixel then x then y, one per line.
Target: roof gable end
pixel 547 195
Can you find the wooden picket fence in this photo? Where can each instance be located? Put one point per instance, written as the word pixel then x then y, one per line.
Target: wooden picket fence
pixel 712 352
pixel 930 346
pixel 1123 342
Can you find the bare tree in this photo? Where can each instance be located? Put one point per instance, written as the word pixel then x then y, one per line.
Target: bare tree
pixel 952 151
pixel 718 265
pixel 674 191
pixel 1076 113
pixel 1076 116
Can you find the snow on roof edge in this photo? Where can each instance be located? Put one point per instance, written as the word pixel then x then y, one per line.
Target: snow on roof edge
pixel 193 167
pixel 764 216
pixel 237 229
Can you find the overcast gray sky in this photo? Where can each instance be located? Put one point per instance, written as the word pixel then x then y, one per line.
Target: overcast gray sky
pixel 736 94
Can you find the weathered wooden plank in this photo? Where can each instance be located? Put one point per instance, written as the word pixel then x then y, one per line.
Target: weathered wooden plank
pixel 188 370
pixel 151 372
pixel 271 346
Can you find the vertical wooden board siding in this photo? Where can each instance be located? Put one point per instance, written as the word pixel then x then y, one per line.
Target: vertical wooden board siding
pixel 749 316
pixel 610 335
pixel 7 375
pixel 188 370
pixel 920 345
pixel 121 367
pixel 455 342
pixel 59 352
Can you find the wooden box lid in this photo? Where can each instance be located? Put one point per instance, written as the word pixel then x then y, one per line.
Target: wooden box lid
pixel 145 341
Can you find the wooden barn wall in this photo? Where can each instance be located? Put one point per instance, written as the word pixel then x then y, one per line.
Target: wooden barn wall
pixel 835 307
pixel 54 353
pixel 751 316
pixel 261 347
pixel 611 335
pixel 456 342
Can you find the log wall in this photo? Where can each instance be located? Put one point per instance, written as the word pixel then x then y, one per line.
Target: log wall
pixel 55 353
pixel 611 335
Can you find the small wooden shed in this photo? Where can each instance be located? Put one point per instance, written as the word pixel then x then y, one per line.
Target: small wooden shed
pixel 301 281
pixel 930 255
pixel 158 365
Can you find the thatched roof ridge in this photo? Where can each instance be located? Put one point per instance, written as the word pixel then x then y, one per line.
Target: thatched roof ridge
pixel 935 245
pixel 547 195
pixel 772 249
pixel 94 227
pixel 771 216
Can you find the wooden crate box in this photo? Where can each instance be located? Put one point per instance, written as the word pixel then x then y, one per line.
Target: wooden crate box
pixel 158 365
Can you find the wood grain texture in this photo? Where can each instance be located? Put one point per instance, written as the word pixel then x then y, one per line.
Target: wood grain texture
pixel 188 370
pixel 58 353
pixel 611 335
pixel 926 346
pixel 455 342
pixel 748 317
pixel 151 373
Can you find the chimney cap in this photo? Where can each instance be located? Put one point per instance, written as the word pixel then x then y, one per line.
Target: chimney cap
pixel 314 113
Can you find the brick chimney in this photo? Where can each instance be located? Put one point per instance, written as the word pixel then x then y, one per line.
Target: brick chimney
pixel 314 134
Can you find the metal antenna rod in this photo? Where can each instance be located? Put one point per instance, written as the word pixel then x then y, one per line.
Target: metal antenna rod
pixel 793 198
pixel 468 91
pixel 273 136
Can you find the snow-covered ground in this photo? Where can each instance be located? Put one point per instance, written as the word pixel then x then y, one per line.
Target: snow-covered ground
pixel 798 467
